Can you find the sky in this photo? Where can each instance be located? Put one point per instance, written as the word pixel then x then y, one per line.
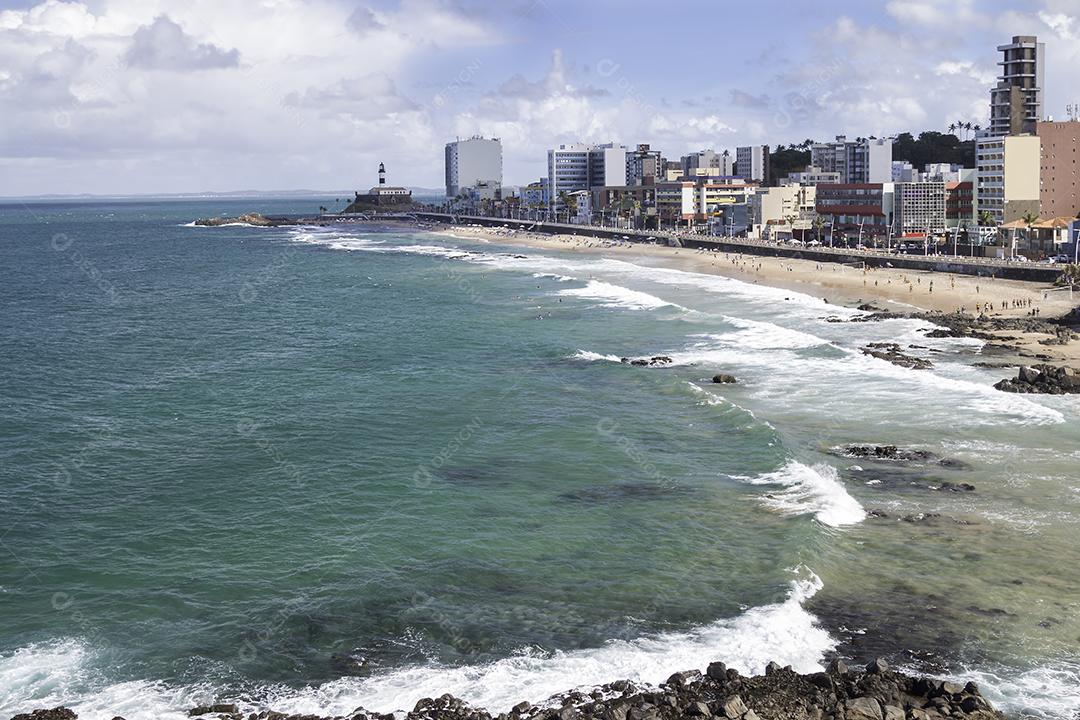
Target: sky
pixel 167 96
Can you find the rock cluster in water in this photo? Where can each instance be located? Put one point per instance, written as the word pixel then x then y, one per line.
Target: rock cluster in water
pixel 891 352
pixel 721 693
pixel 247 219
pixel 1045 379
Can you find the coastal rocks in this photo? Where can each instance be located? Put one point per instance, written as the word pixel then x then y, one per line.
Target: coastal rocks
pixel 1044 379
pixel 246 219
pixel 887 452
pixel 891 352
pixel 893 454
pixel 879 693
pixel 722 378
pixel 220 709
pixel 654 361
pixel 60 713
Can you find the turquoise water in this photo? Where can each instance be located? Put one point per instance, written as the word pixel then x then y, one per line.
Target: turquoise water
pixel 322 468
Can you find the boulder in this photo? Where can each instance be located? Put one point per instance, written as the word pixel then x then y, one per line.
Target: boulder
pixel 717 671
pixel 863 708
pixel 724 379
pixel 60 713
pixel 733 707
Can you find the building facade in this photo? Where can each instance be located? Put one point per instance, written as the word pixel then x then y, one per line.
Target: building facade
pixel 576 167
pixel 780 211
pixel 472 163
pixel 716 164
pixel 643 166
pixel 865 208
pixel 752 163
pixel 919 208
pixel 811 176
pixel 864 160
pixel 1059 168
pixel 1008 170
pixel 1016 102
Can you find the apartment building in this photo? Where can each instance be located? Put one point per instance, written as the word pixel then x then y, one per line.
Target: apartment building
pixel 1007 171
pixel 782 210
pixel 752 163
pixel 708 162
pixel 473 163
pixel 1016 102
pixel 575 167
pixel 644 166
pixel 855 207
pixel 918 208
pixel 864 160
pixel 1059 168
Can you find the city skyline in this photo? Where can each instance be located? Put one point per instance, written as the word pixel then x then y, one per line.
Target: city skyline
pixel 125 97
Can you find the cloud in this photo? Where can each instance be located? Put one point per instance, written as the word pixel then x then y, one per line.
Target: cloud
pixel 363 20
pixel 163 45
pixel 743 99
pixel 365 97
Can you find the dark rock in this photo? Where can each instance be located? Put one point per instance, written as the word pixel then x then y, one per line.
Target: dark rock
pixel 654 361
pixel 1044 379
pixel 891 352
pixel 717 671
pixel 771 668
pixel 838 667
pixel 877 667
pixel 725 379
pixel 686 677
pixel 60 713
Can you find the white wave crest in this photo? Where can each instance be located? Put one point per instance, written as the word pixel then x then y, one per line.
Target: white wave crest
pixel 807 489
pixel 60 673
pixel 594 357
pixel 619 296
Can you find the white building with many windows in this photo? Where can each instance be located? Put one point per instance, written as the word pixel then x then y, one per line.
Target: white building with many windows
pixel 578 166
pixel 752 163
pixel 473 163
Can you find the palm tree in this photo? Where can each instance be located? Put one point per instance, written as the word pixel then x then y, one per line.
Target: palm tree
pixel 819 224
pixel 952 127
pixel 569 202
pixel 1029 219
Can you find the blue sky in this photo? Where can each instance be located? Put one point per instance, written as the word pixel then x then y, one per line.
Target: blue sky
pixel 132 96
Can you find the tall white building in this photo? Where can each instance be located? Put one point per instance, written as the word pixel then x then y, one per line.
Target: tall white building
pixel 858 162
pixel 918 208
pixel 475 162
pixel 578 166
pixel 752 163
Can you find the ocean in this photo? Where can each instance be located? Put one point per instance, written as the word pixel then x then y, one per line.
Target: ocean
pixel 321 468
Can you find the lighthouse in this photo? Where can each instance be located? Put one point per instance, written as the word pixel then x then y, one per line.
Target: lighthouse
pixel 382 174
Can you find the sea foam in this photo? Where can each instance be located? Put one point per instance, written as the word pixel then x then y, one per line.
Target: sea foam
pixel 807 489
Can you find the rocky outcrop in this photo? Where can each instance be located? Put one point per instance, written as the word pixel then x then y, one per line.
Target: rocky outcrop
pixel 1045 379
pixel 247 219
pixel 654 361
pixel 720 693
pixel 722 378
pixel 891 352
pixel 60 713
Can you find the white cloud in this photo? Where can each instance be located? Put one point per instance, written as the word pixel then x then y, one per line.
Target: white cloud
pixel 163 45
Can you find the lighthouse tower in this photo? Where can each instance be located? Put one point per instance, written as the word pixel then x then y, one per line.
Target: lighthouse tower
pixel 382 175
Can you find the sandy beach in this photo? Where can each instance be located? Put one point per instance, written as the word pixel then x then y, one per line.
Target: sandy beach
pixel 901 291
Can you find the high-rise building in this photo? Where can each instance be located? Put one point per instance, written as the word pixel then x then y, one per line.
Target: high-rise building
pixel 578 166
pixel 752 163
pixel 918 208
pixel 858 162
pixel 1060 168
pixel 644 166
pixel 471 163
pixel 708 162
pixel 1007 186
pixel 1016 102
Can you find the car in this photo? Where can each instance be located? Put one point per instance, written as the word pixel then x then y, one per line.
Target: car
pixel 1063 258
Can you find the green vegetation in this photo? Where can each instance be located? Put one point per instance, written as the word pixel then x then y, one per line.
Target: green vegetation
pixel 934 147
pixel 788 159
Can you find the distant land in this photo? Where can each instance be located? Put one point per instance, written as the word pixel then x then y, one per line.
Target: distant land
pixel 303 193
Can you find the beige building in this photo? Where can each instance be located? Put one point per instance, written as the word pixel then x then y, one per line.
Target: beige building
pixel 1008 171
pixel 778 211
pixel 1060 145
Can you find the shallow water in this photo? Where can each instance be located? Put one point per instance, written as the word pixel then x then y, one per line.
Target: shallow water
pixel 233 458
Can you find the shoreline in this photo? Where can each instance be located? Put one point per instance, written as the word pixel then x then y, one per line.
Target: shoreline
pixel 876 692
pixel 899 292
